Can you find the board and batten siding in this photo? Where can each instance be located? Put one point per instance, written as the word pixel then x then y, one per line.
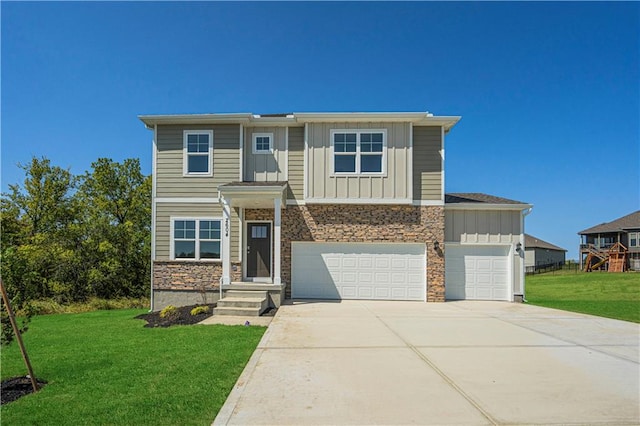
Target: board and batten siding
pixel 164 212
pixel 170 181
pixel 427 163
pixel 265 167
pixel 500 227
pixel 296 164
pixel 482 226
pixel 392 186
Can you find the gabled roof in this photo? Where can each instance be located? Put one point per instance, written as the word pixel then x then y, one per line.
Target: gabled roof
pixel 532 242
pixel 630 221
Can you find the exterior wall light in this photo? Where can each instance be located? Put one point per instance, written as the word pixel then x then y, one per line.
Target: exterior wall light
pixel 436 245
pixel 519 247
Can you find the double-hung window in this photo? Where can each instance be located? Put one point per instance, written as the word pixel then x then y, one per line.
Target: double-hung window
pixel 198 153
pixel 634 239
pixel 262 143
pixel 195 239
pixel 359 151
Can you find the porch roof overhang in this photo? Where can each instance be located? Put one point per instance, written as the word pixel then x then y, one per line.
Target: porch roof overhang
pixel 253 195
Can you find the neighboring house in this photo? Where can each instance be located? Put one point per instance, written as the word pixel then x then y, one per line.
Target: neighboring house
pixel 539 253
pixel 624 230
pixel 323 205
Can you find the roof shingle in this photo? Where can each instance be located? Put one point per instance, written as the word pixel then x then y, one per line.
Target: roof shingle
pixel 532 242
pixel 630 221
pixel 477 197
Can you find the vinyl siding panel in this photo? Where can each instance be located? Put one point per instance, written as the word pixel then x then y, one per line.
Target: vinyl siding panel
pixel 296 163
pixel 486 227
pixel 170 181
pixel 427 163
pixel 164 212
pixel 391 186
pixel 265 167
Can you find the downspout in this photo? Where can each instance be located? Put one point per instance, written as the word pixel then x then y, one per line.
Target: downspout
pixel 153 208
pixel 524 213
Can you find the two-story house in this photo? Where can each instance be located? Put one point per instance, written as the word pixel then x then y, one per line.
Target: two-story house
pixel 323 205
pixel 600 238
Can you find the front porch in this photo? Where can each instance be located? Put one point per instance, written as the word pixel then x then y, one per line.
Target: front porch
pixel 260 247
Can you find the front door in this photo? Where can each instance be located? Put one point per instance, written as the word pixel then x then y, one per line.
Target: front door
pixel 258 250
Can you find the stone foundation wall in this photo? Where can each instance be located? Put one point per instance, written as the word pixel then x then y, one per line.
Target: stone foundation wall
pixel 363 223
pixel 175 275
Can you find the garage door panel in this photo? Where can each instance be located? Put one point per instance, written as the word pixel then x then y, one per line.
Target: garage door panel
pixel 359 270
pixel 477 272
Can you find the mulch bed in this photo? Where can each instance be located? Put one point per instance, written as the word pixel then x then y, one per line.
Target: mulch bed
pixel 184 316
pixel 17 387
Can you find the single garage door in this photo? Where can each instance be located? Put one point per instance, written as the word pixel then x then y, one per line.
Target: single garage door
pixel 384 271
pixel 477 273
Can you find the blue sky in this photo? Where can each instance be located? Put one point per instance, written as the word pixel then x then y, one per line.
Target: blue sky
pixel 548 92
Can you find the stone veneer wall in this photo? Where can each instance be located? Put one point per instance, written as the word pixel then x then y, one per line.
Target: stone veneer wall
pixel 176 275
pixel 363 223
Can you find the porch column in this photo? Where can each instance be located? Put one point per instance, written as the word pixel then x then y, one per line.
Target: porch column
pixel 277 214
pixel 226 243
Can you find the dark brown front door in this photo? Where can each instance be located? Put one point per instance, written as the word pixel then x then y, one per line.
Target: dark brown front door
pixel 258 250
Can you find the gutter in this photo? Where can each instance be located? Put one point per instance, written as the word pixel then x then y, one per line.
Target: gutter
pixel 524 213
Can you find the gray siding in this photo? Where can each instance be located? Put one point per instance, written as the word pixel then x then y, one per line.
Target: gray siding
pixel 226 161
pixel 296 163
pixel 265 167
pixel 539 256
pixel 427 163
pixel 393 186
pixel 164 212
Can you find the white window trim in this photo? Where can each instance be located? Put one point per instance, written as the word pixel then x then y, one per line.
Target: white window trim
pixel 172 247
pixel 185 154
pixel 637 238
pixel 255 137
pixel 358 153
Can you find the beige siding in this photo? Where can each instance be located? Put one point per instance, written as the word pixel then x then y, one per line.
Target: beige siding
pixel 486 227
pixel 482 226
pixel 226 161
pixel 265 167
pixel 296 163
pixel 427 163
pixel 392 186
pixel 164 212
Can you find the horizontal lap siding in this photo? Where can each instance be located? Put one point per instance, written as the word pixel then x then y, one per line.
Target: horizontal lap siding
pixel 296 163
pixel 170 181
pixel 164 212
pixel 427 163
pixel 392 186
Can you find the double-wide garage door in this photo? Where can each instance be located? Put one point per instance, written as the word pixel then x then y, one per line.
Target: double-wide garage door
pixel 477 273
pixel 385 271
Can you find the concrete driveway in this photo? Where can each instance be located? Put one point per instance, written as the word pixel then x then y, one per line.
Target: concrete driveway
pixel 471 363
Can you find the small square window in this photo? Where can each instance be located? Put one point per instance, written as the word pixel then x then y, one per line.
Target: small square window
pixel 262 143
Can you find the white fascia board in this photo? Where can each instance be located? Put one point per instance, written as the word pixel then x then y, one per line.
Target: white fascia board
pixel 486 206
pixel 151 120
pixel 253 190
pixel 417 118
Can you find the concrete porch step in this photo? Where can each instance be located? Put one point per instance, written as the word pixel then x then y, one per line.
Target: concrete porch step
pixel 241 302
pixel 250 294
pixel 245 312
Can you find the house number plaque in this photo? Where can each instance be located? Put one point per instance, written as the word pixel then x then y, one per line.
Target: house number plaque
pixel 226 227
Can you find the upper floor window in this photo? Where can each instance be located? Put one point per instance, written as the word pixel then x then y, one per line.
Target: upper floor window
pixel 262 143
pixel 198 153
pixel 359 151
pixel 634 239
pixel 195 239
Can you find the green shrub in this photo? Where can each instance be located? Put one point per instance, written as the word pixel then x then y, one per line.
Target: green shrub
pixel 199 310
pixel 169 311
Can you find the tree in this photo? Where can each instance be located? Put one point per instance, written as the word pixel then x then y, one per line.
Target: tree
pixel 117 219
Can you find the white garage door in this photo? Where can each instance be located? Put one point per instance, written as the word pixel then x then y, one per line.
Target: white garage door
pixel 477 273
pixel 358 271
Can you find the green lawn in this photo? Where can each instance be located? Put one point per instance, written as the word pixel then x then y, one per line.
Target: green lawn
pixel 104 367
pixel 611 295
